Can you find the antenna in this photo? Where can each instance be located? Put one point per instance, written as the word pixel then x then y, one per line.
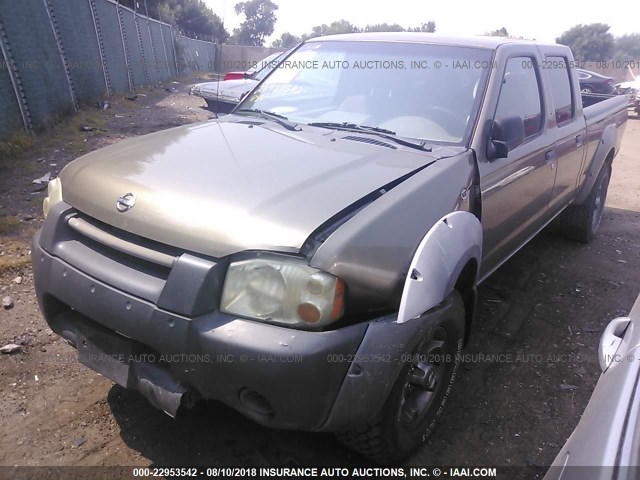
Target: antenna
pixel 218 54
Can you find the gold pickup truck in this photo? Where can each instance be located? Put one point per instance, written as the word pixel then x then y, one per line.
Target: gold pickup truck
pixel 311 259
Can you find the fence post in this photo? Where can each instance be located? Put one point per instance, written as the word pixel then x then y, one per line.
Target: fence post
pixel 173 45
pixel 153 47
pixel 63 56
pixel 164 48
pixel 144 60
pixel 14 75
pixel 125 48
pixel 103 59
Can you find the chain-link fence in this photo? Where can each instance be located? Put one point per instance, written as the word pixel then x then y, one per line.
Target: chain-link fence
pixel 57 53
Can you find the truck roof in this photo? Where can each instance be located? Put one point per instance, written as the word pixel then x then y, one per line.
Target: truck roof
pixel 426 38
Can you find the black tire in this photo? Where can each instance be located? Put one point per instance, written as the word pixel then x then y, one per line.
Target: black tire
pixel 581 222
pixel 416 401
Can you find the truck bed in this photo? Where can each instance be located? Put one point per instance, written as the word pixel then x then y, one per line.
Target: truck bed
pixel 598 102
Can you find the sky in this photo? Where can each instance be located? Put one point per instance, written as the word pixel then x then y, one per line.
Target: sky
pixel 543 20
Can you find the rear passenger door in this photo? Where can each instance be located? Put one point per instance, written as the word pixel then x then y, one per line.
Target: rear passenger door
pixel 567 125
pixel 515 190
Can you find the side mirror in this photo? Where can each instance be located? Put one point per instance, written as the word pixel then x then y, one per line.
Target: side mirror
pixel 506 134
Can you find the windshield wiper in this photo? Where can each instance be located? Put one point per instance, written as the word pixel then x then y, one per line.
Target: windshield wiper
pixel 279 119
pixel 382 132
pixel 351 126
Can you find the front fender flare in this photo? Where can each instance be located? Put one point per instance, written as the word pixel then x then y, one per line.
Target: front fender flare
pixel 438 262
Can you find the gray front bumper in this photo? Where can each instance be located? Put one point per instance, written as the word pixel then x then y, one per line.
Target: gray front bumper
pixel 277 376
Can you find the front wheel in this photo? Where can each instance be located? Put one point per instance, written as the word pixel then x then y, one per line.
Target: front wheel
pixel 581 222
pixel 419 395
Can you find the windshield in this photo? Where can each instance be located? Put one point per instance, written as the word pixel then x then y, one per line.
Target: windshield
pixel 265 66
pixel 426 92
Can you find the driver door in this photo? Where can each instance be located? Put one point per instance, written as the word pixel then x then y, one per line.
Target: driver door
pixel 516 190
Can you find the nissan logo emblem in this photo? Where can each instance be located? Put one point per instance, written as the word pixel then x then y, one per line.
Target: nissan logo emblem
pixel 126 202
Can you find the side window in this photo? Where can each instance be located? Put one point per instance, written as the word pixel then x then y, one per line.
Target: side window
pixel 520 94
pixel 560 82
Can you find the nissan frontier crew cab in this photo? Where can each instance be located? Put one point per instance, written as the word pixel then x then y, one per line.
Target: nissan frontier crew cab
pixel 311 259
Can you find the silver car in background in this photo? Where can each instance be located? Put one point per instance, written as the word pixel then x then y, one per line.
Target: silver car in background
pixel 606 443
pixel 223 96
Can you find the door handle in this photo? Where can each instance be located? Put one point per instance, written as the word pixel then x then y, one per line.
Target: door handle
pixel 579 140
pixel 549 156
pixel 611 340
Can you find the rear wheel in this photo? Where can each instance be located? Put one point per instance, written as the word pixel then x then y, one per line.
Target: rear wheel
pixel 581 222
pixel 419 395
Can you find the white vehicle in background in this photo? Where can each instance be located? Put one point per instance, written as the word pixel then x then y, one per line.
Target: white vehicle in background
pixel 225 95
pixel 606 443
pixel 632 90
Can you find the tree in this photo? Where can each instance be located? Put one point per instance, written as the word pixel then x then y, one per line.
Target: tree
pixel 194 16
pixel 191 17
pixel 501 32
pixel 344 26
pixel 384 27
pixel 286 40
pixel 337 27
pixel 627 47
pixel 260 21
pixel 429 27
pixel 589 43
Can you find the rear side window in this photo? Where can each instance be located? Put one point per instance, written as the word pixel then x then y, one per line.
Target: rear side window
pixel 520 94
pixel 560 81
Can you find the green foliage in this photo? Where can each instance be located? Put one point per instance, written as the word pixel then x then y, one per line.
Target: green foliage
pixel 337 27
pixel 13 145
pixel 627 47
pixel 260 20
pixel 429 27
pixel 286 40
pixel 191 17
pixel 384 27
pixel 589 43
pixel 501 32
pixel 344 26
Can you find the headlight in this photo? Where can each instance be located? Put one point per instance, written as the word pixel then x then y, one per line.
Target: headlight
pixel 54 195
pixel 287 292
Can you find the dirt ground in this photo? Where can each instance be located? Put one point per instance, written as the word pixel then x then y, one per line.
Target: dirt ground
pixel 530 367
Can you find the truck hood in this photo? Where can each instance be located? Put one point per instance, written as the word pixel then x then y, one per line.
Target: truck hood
pixel 229 185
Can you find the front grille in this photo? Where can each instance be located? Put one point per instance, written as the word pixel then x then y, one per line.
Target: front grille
pixel 116 242
pixel 133 264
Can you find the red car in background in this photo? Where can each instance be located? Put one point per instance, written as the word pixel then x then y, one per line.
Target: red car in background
pixel 252 71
